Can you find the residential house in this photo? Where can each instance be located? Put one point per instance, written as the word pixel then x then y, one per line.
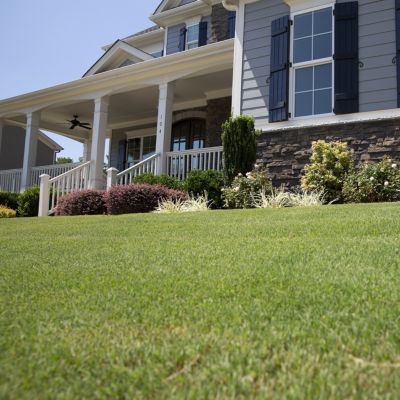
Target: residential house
pixel 305 69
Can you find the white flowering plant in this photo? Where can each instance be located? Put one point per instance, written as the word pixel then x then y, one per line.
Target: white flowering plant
pixel 375 182
pixel 240 193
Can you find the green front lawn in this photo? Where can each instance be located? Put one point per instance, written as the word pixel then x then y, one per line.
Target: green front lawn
pixel 295 303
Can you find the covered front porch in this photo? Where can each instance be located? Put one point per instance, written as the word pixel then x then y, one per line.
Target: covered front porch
pixel 162 116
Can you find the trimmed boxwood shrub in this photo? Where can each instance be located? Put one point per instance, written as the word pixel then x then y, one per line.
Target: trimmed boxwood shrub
pixel 86 202
pixel 9 200
pixel 139 198
pixel 211 182
pixel 28 202
pixel 166 180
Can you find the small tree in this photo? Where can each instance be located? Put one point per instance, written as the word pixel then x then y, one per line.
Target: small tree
pixel 239 139
pixel 64 160
pixel 330 165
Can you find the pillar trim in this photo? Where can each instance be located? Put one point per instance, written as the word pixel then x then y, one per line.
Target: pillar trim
pixel 30 150
pixel 99 135
pixel 164 123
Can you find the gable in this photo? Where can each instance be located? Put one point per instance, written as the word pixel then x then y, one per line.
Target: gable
pixel 120 54
pixel 170 4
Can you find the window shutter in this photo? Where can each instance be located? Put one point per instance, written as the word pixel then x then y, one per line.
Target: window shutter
pixel 279 75
pixel 398 50
pixel 121 155
pixel 203 33
pixel 231 24
pixel 346 58
pixel 182 39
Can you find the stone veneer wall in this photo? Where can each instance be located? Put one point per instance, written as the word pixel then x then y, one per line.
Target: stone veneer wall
pixel 218 111
pixel 219 23
pixel 286 152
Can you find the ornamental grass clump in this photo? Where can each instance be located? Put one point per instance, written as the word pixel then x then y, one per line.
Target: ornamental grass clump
pixel 193 204
pixel 243 188
pixel 372 183
pixel 330 165
pixel 6 212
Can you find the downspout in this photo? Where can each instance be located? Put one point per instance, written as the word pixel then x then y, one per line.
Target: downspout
pixel 236 5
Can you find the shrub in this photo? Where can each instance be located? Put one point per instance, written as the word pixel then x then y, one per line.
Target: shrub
pixel 139 198
pixel 6 212
pixel 166 180
pixel 9 200
pixel 86 202
pixel 210 183
pixel 243 188
pixel 373 183
pixel 193 204
pixel 28 202
pixel 330 164
pixel 239 139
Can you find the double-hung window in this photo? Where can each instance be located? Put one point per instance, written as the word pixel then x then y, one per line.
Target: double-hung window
pixel 312 61
pixel 192 37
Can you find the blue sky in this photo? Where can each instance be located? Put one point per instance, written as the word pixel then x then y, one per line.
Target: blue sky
pixel 47 42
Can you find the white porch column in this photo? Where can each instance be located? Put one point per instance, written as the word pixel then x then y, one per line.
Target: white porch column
pixel 164 123
pixel 96 180
pixel 87 147
pixel 31 140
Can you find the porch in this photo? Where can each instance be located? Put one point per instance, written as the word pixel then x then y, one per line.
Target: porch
pixel 160 116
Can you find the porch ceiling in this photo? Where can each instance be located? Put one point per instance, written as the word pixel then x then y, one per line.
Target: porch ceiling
pixel 133 106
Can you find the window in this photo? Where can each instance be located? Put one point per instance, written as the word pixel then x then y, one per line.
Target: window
pixel 139 149
pixel 192 37
pixel 312 79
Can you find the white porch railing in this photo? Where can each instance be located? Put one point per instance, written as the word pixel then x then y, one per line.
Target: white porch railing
pixel 147 166
pixel 180 163
pixel 10 180
pixel 51 190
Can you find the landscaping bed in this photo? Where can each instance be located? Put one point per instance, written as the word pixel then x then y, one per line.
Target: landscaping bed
pixel 299 303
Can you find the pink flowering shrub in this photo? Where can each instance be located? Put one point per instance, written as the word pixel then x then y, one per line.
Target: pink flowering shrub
pixel 86 202
pixel 140 198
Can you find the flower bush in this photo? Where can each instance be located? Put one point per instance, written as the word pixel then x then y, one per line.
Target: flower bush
pixel 209 183
pixel 139 198
pixel 243 188
pixel 166 180
pixel 86 202
pixel 373 183
pixel 6 212
pixel 330 165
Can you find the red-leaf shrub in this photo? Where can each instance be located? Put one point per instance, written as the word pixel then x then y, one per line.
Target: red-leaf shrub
pixel 86 202
pixel 139 198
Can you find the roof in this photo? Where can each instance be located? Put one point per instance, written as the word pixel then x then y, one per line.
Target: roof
pixel 49 142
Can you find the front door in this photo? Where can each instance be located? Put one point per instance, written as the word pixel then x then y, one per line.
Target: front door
pixel 188 134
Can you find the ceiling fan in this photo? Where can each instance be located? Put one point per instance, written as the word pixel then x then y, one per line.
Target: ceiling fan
pixel 75 122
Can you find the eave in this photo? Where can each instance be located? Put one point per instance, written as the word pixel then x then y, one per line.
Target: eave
pixel 119 80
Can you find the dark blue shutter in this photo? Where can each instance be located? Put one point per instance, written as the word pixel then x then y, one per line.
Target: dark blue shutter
pixel 346 58
pixel 182 39
pixel 121 155
pixel 231 24
pixel 279 75
pixel 398 50
pixel 203 33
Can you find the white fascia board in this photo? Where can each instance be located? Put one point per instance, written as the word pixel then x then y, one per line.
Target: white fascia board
pixel 137 40
pixel 49 142
pixel 143 74
pixel 180 14
pixel 117 47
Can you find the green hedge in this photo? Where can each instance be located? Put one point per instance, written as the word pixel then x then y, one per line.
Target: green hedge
pixel 9 200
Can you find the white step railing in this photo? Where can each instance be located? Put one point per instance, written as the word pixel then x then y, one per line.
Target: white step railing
pixel 147 166
pixel 51 190
pixel 10 180
pixel 51 170
pixel 180 163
